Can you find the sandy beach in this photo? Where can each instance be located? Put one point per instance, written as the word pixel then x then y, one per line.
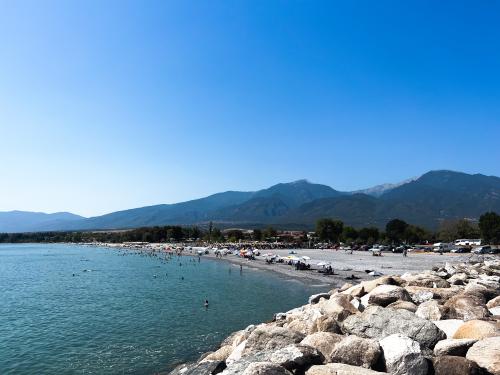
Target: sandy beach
pixel 344 264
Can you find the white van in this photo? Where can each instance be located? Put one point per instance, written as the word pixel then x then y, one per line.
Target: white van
pixel 467 242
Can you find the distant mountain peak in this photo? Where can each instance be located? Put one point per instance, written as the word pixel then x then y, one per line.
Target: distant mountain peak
pixel 379 190
pixel 301 181
pixel 425 200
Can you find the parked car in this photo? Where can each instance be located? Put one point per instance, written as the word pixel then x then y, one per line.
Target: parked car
pixel 461 250
pixel 399 249
pixel 376 249
pixel 482 250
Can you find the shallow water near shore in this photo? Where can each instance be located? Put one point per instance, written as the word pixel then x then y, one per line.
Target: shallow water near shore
pixel 124 314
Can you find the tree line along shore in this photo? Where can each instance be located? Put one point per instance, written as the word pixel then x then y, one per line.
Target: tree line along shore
pixel 327 230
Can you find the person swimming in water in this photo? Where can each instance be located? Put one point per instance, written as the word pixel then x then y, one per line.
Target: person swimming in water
pixel 206 303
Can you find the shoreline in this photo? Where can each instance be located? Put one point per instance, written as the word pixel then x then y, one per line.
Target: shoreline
pixel 444 308
pixel 348 268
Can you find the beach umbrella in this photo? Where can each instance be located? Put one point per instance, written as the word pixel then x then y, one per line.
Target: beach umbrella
pixel 322 264
pixel 305 257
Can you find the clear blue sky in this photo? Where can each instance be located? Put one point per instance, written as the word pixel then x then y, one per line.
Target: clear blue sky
pixel 107 105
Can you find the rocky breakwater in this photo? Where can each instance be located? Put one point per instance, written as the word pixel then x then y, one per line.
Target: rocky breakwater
pixel 444 321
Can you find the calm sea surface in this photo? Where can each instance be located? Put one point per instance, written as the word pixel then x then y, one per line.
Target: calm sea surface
pixel 115 317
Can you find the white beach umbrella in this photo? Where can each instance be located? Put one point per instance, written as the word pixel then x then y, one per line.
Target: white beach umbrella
pixel 305 257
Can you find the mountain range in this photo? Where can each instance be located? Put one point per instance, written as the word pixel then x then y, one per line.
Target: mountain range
pixel 425 201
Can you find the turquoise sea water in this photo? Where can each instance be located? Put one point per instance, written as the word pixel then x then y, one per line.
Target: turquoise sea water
pixel 115 317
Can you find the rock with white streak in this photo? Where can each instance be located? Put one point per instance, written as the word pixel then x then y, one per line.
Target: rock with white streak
pixel 378 322
pixel 403 356
pixel 429 310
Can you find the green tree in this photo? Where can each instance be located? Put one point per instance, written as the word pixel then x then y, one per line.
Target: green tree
pixel 270 232
pixel 329 229
pixel 489 224
pixel 369 235
pixel 210 230
pixel 414 234
pixel 349 234
pixel 257 235
pixel 451 230
pixel 395 230
pixel 234 235
pixel 217 235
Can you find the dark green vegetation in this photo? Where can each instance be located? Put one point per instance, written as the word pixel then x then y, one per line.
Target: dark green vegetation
pixel 327 230
pixel 489 224
pixel 429 201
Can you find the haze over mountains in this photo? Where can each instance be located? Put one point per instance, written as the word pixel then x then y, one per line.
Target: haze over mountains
pixel 426 201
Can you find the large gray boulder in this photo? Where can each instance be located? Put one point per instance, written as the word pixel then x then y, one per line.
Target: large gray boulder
pixel 378 322
pixel 421 294
pixel 266 338
pixel 458 279
pixel 384 295
pixel 403 356
pixel 426 279
pixel 324 342
pixel 203 368
pixel 303 319
pixel 265 368
pixel 455 347
pixel 325 323
pixel 403 305
pixel 486 353
pixel 466 307
pixel 356 351
pixel 239 366
pixel 340 369
pixel 297 357
pixel 338 307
